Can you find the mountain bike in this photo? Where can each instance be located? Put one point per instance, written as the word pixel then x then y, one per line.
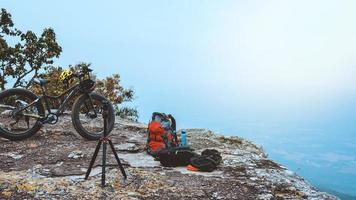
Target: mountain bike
pixel 23 113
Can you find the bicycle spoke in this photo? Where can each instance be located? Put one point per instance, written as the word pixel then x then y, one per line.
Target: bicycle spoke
pixel 91 118
pixel 17 115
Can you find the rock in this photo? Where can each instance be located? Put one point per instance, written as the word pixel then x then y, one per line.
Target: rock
pixel 265 196
pixel 38 171
pixel 13 155
pixel 131 193
pixel 33 145
pixel 6 113
pixel 216 195
pixel 129 147
pixel 53 166
pixel 3 186
pixel 6 194
pixel 26 187
pixel 140 160
pixel 59 164
pixel 76 154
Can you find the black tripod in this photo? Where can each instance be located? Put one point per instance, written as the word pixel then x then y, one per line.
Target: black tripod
pixel 104 140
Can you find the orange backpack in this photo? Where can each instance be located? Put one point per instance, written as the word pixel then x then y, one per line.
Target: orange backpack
pixel 161 133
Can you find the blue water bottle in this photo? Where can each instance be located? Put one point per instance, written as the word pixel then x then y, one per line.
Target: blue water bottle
pixel 183 138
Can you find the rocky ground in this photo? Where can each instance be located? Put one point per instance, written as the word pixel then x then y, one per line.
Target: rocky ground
pixel 52 165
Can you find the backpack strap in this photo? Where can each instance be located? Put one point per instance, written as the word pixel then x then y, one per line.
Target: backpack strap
pixel 174 128
pixel 174 125
pixel 165 139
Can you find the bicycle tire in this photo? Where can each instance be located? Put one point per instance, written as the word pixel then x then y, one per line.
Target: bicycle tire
pixel 76 112
pixel 32 97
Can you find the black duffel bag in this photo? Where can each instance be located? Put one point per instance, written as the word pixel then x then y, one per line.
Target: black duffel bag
pixel 207 161
pixel 176 156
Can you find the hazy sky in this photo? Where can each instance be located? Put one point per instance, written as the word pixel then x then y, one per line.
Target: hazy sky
pixel 293 53
pixel 278 71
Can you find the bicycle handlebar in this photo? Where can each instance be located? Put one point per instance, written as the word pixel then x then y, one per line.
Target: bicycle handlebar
pixel 82 73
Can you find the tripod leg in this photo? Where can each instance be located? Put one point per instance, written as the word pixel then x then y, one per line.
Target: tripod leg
pixel 103 166
pixel 118 159
pixel 93 160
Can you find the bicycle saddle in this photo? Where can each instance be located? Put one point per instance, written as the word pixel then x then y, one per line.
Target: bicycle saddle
pixel 40 81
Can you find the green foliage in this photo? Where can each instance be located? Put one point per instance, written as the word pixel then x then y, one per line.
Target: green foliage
pixel 30 53
pixel 126 113
pixel 112 89
pixel 109 87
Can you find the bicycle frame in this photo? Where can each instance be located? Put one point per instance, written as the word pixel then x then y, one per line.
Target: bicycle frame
pixel 52 117
pixel 71 92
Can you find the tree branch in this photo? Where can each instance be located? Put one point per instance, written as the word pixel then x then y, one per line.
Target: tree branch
pixel 2 82
pixel 34 76
pixel 17 83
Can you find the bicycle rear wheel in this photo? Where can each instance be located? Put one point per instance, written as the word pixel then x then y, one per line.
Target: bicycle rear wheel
pixel 19 119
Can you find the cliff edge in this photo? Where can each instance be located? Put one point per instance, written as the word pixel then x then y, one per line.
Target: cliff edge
pixel 52 165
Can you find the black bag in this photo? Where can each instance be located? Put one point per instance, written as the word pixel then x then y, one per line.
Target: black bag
pixel 207 161
pixel 175 156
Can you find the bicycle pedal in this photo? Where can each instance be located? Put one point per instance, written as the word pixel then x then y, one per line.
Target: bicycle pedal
pixel 49 120
pixel 40 123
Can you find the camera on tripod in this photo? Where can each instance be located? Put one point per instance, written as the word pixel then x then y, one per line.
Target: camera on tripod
pixel 103 141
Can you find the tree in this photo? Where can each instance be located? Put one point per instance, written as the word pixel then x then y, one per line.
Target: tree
pixel 30 53
pixel 110 87
pixel 32 56
pixel 6 29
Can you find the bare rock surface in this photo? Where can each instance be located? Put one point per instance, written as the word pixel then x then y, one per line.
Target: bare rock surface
pixel 52 165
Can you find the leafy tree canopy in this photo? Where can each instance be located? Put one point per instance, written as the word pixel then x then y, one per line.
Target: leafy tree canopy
pixel 30 53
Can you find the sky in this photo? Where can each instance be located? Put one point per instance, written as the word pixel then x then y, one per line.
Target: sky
pixel 280 73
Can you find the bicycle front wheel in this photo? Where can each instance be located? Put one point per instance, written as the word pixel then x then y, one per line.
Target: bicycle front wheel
pixel 87 116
